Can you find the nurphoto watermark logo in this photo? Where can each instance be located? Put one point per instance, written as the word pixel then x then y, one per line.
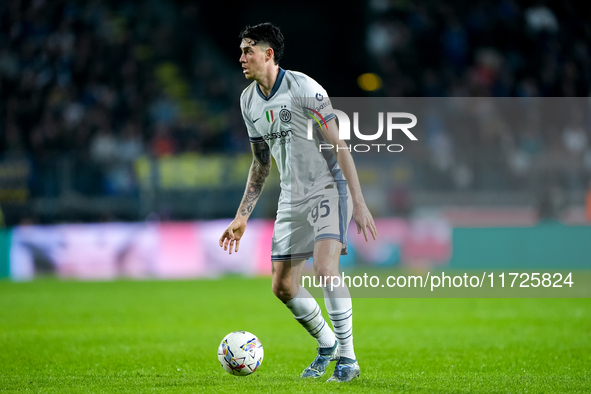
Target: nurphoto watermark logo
pixel 392 126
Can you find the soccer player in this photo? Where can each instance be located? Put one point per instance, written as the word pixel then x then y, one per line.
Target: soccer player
pixel 320 192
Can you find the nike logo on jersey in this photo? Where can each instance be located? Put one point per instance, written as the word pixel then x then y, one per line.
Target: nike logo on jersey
pixel 322 228
pixel 254 121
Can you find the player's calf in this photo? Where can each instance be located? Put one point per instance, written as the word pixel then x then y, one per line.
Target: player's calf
pixel 282 291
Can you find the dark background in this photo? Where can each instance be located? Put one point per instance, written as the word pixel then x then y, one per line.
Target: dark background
pixel 98 97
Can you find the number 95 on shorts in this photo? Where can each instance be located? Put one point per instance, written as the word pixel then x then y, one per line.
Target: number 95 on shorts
pixel 329 216
pixel 297 228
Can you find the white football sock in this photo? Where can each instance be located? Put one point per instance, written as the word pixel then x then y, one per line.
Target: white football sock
pixel 307 312
pixel 340 310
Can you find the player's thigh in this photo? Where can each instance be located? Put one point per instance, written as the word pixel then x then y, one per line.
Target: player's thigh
pixel 329 216
pixel 293 239
pixel 330 221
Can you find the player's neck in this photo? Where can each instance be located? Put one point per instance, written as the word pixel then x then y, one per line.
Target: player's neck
pixel 267 81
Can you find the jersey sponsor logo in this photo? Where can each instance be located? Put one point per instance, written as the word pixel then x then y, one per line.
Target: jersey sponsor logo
pixel 319 96
pixel 278 134
pixel 270 116
pixel 284 114
pixel 254 121
pixel 323 105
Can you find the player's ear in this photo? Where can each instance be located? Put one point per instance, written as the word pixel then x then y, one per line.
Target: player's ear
pixel 269 54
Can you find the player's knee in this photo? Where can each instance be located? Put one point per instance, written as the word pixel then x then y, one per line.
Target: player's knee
pixel 282 291
pixel 326 273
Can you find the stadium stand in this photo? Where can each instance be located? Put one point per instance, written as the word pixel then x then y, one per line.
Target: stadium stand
pixel 98 98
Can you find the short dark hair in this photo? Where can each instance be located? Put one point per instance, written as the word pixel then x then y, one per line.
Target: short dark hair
pixel 266 33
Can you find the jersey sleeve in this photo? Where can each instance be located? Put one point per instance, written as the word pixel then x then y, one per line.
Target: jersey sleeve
pixel 253 134
pixel 314 99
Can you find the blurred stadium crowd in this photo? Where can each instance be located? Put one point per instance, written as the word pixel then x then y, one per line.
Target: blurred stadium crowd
pixel 481 48
pixel 105 82
pixel 88 88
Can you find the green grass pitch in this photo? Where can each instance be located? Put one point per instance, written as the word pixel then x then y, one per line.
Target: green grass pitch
pixel 162 336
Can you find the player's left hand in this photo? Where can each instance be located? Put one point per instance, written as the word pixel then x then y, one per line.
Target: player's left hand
pixel 364 221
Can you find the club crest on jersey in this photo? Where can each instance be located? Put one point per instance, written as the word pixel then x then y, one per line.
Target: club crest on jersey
pixel 284 114
pixel 270 117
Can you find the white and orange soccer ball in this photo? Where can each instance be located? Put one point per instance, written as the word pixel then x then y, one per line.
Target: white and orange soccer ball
pixel 240 353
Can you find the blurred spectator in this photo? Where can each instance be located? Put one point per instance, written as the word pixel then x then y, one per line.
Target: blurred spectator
pixel 541 18
pixel 164 110
pixel 552 200
pixel 131 145
pixel 574 136
pixel 162 143
pixel 455 43
pixel 103 147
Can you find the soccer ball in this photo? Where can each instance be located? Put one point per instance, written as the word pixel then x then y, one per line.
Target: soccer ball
pixel 240 353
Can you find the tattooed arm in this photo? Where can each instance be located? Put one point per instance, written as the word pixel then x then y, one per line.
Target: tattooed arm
pixel 259 170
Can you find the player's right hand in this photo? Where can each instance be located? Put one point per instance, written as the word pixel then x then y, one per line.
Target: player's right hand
pixel 230 239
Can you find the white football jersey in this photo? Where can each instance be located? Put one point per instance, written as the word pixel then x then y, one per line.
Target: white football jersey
pixel 281 120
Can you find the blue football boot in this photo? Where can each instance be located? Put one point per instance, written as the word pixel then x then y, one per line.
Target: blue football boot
pixel 318 366
pixel 346 369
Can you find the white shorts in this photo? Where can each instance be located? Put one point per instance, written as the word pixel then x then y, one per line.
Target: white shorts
pixel 322 216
